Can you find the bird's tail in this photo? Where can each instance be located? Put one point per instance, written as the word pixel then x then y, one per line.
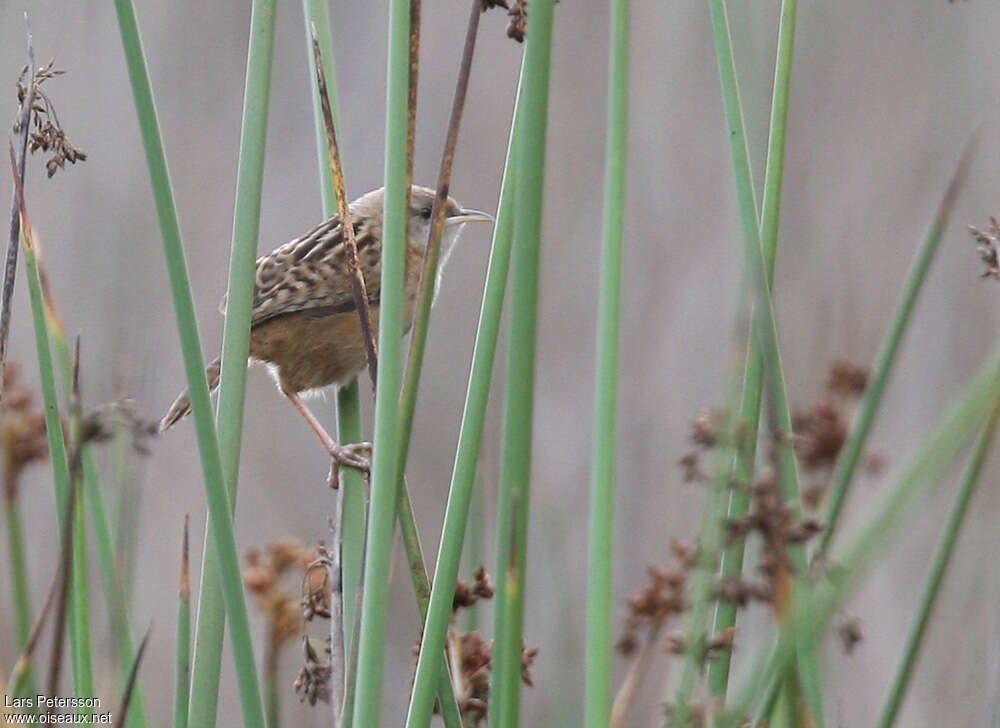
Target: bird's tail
pixel 182 405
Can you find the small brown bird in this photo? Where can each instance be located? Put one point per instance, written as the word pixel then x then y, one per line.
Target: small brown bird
pixel 305 325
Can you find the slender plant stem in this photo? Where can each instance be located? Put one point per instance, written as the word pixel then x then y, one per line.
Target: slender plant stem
pixel 19 578
pixel 472 553
pixel 428 279
pixel 110 574
pixel 470 437
pixel 236 344
pixel 515 466
pixel 600 597
pixel 850 456
pixel 338 657
pixel 182 681
pixel 923 468
pixel 17 682
pixel 434 641
pixel 941 561
pixel 444 689
pixel 317 14
pixel 382 513
pixel 10 258
pixel 765 329
pixel 131 682
pixel 194 365
pixel 753 377
pixel 80 646
pixel 344 213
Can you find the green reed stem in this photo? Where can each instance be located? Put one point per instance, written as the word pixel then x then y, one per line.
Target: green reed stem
pixel 79 632
pixel 443 689
pixel 850 455
pixel 470 439
pixel 753 377
pixel 348 403
pixel 211 621
pixel 941 561
pixel 764 337
pixel 924 467
pixel 17 560
pixel 110 574
pixel 194 365
pixel 382 512
pixel 515 467
pixel 600 594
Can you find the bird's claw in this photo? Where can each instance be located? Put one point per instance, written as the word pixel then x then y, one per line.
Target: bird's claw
pixel 356 455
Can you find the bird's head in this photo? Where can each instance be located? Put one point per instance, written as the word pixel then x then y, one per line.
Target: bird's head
pixel 419 217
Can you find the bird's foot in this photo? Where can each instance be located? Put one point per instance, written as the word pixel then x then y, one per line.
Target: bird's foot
pixel 356 455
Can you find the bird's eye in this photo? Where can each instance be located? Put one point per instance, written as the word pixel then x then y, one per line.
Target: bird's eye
pixel 425 213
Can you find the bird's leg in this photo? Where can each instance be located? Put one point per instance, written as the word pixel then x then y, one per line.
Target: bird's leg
pixel 353 456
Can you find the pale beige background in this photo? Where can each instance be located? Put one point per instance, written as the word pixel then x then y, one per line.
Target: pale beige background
pixel 883 95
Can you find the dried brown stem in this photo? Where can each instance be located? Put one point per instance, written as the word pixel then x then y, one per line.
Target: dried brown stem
pixel 65 576
pixel 411 104
pixel 630 685
pixel 132 677
pixel 185 588
pixel 432 252
pixel 346 225
pixel 24 661
pixel 10 264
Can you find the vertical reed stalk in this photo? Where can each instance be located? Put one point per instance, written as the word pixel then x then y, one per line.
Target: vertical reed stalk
pixel 78 607
pixel 194 365
pixel 211 621
pixel 600 599
pixel 110 574
pixel 515 468
pixel 19 578
pixel 382 512
pixel 753 376
pixel 317 14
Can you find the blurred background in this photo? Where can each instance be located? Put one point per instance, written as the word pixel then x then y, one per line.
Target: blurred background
pixel 883 96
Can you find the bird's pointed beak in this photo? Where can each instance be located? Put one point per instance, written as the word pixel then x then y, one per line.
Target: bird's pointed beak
pixel 469 216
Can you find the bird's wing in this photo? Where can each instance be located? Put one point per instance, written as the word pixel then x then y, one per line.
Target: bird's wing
pixel 310 273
